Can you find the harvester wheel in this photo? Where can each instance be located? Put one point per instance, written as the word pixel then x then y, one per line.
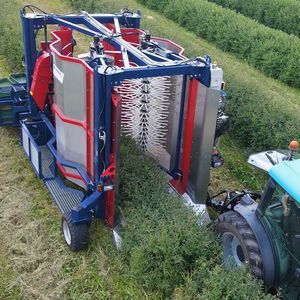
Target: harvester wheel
pixel 239 243
pixel 76 235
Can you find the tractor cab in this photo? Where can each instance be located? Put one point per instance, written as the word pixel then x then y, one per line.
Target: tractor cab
pixel 279 212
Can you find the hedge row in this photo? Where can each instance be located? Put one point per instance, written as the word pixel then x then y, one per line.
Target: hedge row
pixel 11 45
pixel 279 14
pixel 275 53
pixel 166 249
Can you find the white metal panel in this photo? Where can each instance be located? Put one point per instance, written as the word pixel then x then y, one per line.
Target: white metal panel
pixel 70 88
pixel 261 160
pixel 34 157
pixel 25 141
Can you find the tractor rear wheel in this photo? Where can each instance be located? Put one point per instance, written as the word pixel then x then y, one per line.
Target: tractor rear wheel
pixel 76 235
pixel 239 243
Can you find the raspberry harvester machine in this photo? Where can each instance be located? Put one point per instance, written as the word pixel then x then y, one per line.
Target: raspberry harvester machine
pixel 71 110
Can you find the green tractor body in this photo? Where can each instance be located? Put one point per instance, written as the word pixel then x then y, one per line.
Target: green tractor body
pixel 263 231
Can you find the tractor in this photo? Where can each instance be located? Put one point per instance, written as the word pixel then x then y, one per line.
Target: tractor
pixel 262 230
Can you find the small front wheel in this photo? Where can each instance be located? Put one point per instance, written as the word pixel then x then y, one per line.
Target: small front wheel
pixel 76 235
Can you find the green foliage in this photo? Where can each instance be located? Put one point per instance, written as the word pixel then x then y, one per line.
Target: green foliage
pixel 235 165
pixel 275 53
pixel 164 243
pixel 216 283
pixel 11 45
pixel 162 238
pixel 279 14
pixel 256 120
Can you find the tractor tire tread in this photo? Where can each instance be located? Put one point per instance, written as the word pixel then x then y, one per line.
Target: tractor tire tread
pixel 232 220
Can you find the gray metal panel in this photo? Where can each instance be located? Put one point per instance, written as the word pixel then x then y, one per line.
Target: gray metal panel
pixel 204 132
pixel 64 197
pixel 35 157
pixel 173 120
pixel 25 140
pixel 117 124
pixel 47 160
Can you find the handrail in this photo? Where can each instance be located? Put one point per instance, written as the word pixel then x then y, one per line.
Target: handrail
pixel 68 164
pixel 62 161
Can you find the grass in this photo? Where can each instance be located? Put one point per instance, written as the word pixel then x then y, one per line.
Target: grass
pixel 37 261
pixel 8 287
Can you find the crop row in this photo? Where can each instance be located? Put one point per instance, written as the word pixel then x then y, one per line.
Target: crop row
pixel 279 14
pixel 11 38
pixel 271 51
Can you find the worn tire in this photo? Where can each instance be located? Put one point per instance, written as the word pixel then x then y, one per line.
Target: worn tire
pixel 76 236
pixel 232 225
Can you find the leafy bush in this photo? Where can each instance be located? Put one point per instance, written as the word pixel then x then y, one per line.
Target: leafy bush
pixel 273 52
pixel 256 120
pixel 163 243
pixel 11 45
pixel 279 14
pixel 162 238
pixel 207 283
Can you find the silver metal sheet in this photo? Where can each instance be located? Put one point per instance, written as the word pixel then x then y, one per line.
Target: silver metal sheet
pixel 204 132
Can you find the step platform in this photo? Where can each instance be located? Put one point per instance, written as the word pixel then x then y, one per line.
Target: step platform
pixel 65 198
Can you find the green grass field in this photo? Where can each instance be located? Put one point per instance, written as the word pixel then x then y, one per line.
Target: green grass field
pixel 34 262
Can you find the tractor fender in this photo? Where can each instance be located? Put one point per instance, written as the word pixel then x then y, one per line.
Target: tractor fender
pixel 248 211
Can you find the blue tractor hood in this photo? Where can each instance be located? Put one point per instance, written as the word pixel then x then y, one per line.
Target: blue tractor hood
pixel 287 175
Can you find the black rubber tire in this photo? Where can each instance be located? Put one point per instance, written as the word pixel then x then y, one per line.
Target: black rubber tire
pixel 79 233
pixel 233 223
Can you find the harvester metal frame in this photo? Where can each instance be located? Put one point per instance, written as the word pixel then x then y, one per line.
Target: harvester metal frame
pixel 38 132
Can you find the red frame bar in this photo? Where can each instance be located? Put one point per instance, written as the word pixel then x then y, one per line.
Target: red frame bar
pixel 89 136
pixel 58 112
pixel 181 184
pixel 111 170
pixel 60 47
pixel 58 37
pixel 110 195
pixel 68 174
